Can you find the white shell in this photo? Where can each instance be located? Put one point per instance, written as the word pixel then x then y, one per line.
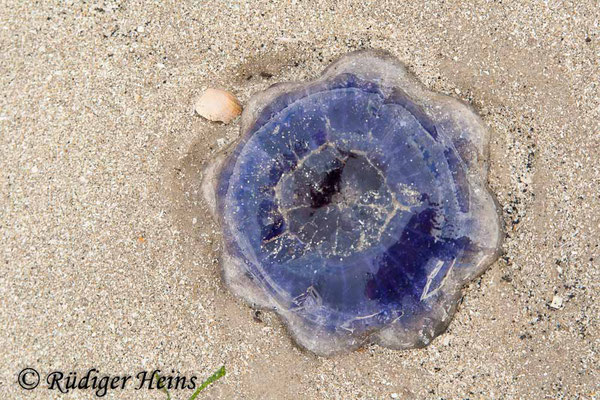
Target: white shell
pixel 217 105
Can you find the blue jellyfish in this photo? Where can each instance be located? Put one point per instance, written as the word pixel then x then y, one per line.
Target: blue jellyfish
pixel 355 206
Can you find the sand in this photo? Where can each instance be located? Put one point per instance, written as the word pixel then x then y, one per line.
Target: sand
pixel 109 259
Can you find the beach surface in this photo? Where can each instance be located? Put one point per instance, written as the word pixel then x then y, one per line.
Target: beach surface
pixel 109 258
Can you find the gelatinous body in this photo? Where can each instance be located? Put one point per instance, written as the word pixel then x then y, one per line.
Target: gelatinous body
pixel 356 206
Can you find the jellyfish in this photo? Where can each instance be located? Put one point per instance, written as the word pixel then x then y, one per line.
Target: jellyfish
pixel 355 206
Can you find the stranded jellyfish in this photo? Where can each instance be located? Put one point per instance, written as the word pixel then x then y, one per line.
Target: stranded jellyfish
pixel 355 206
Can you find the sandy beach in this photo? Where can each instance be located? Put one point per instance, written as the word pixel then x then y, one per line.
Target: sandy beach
pixel 110 259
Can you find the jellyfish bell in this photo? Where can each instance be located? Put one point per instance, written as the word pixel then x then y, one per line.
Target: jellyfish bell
pixel 355 206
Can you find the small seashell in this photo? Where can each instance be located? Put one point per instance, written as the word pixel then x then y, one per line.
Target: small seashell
pixel 218 105
pixel 557 302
